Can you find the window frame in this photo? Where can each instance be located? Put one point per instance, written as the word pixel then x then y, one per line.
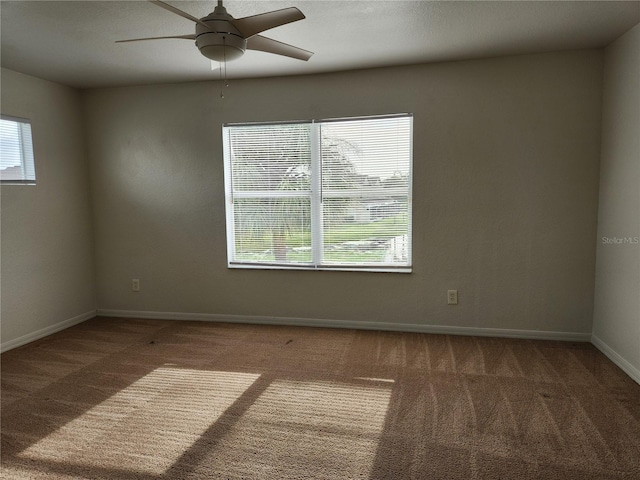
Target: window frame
pixel 316 197
pixel 27 157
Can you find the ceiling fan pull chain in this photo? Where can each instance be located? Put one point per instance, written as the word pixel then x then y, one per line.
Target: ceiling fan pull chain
pixel 223 68
pixel 224 57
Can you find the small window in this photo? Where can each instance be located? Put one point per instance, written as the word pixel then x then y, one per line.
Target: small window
pixel 323 194
pixel 16 151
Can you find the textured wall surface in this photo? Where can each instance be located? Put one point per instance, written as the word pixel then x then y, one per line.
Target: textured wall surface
pixel 617 295
pixel 506 155
pixel 47 248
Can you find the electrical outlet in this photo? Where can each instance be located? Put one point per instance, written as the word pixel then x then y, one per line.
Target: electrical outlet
pixel 135 284
pixel 452 297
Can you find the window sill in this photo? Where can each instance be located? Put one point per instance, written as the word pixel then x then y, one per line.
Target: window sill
pixel 324 268
pixel 17 182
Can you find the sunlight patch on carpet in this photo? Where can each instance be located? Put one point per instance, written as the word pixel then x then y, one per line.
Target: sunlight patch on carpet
pixel 149 424
pixel 303 429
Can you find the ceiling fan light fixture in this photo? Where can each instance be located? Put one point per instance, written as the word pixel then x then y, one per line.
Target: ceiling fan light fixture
pixel 220 53
pixel 221 47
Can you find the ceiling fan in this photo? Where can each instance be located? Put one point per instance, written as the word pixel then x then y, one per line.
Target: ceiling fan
pixel 221 37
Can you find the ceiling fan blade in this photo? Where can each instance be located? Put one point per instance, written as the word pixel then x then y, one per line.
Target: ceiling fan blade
pixel 265 44
pixel 250 26
pixel 177 11
pixel 186 37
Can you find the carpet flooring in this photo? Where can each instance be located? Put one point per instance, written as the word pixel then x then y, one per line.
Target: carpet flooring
pixel 150 399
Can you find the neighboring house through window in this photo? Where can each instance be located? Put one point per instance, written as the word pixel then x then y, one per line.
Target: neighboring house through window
pixel 322 194
pixel 16 151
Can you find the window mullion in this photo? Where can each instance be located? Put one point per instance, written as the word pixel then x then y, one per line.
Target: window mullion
pixel 23 169
pixel 316 194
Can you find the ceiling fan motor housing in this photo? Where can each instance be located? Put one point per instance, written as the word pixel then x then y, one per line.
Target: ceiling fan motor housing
pixel 222 43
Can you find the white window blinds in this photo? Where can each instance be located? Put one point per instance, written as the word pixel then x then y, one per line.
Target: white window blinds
pixel 330 194
pixel 16 151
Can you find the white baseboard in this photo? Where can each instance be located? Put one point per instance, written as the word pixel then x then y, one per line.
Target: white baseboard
pixel 315 322
pixel 616 358
pixel 629 369
pixel 43 332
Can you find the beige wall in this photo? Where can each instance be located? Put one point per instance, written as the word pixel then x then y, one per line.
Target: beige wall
pixel 617 294
pixel 506 158
pixel 47 269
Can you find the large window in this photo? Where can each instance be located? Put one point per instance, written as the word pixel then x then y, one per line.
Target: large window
pixel 328 194
pixel 16 151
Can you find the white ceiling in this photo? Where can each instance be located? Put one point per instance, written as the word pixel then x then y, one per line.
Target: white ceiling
pixel 73 42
